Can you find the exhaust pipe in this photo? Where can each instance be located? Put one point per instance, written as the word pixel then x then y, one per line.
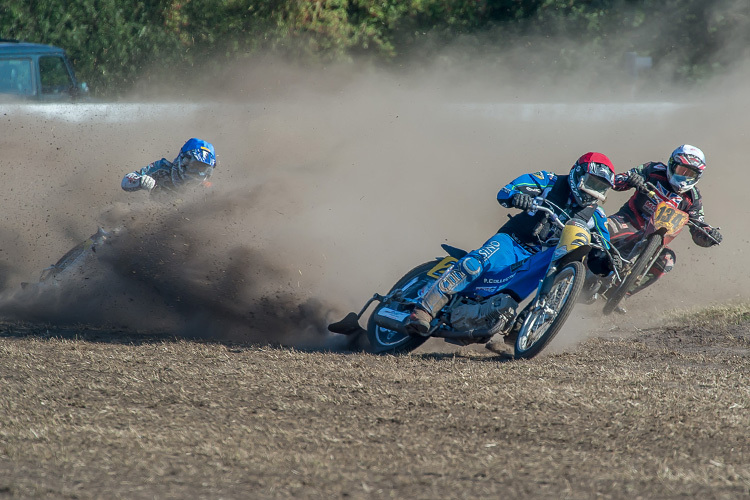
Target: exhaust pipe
pixel 390 319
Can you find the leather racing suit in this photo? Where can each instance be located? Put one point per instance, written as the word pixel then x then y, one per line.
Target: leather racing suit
pixel 635 213
pixel 169 176
pixel 519 238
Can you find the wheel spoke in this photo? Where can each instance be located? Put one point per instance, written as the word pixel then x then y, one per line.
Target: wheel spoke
pixel 544 316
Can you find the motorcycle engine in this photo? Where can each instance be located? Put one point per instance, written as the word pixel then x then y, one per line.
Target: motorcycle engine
pixel 491 314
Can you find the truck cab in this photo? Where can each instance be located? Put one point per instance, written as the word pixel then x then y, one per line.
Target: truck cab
pixel 37 72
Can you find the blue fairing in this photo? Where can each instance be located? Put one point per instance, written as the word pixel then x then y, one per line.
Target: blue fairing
pixel 520 279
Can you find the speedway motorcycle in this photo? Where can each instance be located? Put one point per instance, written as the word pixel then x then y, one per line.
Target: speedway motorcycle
pixel 74 259
pixel 665 223
pixel 552 278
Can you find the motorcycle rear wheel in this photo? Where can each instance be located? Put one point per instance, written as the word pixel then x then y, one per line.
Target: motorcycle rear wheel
pixel 639 269
pixel 533 336
pixel 385 341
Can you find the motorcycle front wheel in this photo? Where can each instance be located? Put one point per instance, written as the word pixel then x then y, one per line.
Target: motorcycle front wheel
pixel 544 321
pixel 636 274
pixel 385 341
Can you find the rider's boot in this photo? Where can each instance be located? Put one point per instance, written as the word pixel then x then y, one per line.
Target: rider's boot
pixel 433 299
pixel 418 322
pixel 438 294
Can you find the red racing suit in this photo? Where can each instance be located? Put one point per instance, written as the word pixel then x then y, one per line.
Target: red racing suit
pixel 631 218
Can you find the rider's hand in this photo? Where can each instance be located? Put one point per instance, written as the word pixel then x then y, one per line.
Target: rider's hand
pixel 522 201
pixel 148 182
pixel 637 181
pixel 715 234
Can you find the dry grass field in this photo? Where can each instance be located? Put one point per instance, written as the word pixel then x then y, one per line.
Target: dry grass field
pixel 655 413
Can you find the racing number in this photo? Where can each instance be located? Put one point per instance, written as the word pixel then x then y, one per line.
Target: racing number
pixel 668 216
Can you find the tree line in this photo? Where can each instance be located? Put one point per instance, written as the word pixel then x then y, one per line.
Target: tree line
pixel 111 42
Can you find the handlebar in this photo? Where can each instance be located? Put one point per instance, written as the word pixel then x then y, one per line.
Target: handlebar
pixel 537 206
pixel 653 192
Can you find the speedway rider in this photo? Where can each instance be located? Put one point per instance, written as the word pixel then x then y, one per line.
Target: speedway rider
pixel 194 165
pixel 575 195
pixel 676 180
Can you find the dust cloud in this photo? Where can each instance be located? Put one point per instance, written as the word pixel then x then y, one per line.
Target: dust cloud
pixel 331 185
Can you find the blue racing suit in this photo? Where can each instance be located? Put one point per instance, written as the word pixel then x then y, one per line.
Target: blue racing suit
pixel 520 237
pixel 169 176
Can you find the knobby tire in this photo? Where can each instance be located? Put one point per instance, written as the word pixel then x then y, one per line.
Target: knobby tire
pixel 654 245
pixel 408 343
pixel 579 276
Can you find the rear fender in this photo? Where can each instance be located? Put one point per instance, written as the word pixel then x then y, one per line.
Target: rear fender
pixel 454 252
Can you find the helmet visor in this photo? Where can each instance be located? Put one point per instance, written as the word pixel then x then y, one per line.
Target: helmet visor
pixel 595 186
pixel 196 167
pixel 686 172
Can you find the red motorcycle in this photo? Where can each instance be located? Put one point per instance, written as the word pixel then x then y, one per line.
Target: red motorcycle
pixel 663 226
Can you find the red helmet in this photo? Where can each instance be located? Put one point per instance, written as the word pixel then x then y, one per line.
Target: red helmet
pixel 590 178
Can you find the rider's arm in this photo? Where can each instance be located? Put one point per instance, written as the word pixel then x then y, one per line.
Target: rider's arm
pixel 530 184
pixel 133 180
pixel 696 216
pixel 622 182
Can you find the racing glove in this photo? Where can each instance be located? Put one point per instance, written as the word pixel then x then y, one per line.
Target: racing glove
pixel 638 182
pixel 715 234
pixel 148 182
pixel 522 201
pixel 706 236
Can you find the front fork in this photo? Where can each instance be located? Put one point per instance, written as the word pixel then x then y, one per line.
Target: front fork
pixel 545 286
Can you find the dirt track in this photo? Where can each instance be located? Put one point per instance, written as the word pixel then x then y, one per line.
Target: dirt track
pixel 660 413
pixel 304 222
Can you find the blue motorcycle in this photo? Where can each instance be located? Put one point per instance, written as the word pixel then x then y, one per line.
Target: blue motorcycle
pixel 527 304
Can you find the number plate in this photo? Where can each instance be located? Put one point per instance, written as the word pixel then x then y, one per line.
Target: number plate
pixel 669 218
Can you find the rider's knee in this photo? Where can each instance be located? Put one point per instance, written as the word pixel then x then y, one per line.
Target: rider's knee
pixel 471 266
pixel 461 274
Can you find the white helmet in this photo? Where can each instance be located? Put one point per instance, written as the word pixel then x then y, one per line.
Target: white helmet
pixel 685 167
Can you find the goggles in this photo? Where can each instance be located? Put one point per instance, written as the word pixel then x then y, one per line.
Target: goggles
pixel 686 172
pixel 195 166
pixel 594 186
pixel 597 180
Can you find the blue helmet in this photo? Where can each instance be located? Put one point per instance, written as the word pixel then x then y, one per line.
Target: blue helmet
pixel 199 150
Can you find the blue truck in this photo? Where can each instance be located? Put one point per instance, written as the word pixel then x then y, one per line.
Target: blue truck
pixel 37 72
